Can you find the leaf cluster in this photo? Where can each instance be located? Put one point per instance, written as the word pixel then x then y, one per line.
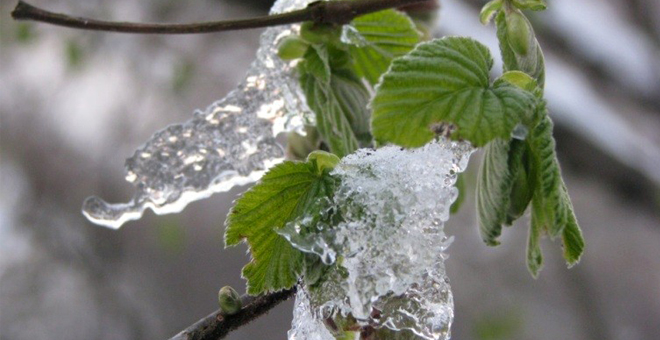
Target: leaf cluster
pixel 376 83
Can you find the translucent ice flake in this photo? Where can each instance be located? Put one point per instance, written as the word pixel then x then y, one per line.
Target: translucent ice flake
pixel 230 143
pixel 389 246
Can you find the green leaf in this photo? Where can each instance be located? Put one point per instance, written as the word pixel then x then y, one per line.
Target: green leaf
pixel 533 63
pixel 553 211
pixel 387 34
pixel 282 195
pixel 446 81
pixel 337 97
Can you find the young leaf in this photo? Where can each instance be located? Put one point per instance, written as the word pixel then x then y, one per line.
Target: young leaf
pixel 337 97
pixel 446 80
pixel 553 210
pixel 571 235
pixel 498 177
pixel 387 34
pixel 548 178
pixel 493 188
pixel 283 194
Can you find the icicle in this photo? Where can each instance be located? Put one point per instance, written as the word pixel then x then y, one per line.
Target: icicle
pixel 230 143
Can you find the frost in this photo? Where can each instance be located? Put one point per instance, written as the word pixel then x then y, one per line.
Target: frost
pixel 230 143
pixel 389 245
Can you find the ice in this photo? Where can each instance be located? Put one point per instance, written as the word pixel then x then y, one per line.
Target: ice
pixel 520 132
pixel 351 36
pixel 305 324
pixel 393 203
pixel 230 143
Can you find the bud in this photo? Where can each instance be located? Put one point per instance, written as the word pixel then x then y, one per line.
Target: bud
pixel 534 5
pixel 519 32
pixel 489 10
pixel 519 79
pixel 319 33
pixel 291 47
pixel 229 300
pixel 324 160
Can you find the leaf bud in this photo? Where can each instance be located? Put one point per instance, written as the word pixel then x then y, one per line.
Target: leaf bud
pixel 229 300
pixel 489 10
pixel 519 32
pixel 319 33
pixel 323 160
pixel 291 47
pixel 534 5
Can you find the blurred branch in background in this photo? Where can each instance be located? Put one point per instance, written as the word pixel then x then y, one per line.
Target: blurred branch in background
pixel 334 13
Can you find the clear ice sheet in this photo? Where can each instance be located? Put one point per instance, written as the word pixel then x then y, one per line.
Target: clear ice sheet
pixel 394 203
pixel 230 143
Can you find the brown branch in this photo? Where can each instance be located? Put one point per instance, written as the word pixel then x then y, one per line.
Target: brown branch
pixel 321 12
pixel 217 326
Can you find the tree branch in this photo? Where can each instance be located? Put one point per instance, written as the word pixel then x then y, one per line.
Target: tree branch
pixel 217 326
pixel 321 12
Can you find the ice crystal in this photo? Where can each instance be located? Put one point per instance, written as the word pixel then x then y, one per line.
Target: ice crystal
pixel 230 143
pixel 390 243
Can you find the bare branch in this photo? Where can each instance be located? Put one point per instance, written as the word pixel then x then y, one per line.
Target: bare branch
pixel 322 12
pixel 217 326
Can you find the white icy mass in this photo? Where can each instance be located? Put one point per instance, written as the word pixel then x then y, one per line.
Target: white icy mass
pixel 305 325
pixel 390 242
pixel 231 143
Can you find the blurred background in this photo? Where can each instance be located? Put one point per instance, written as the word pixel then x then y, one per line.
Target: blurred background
pixel 74 105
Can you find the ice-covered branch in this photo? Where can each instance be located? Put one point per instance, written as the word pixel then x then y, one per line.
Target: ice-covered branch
pixel 322 12
pixel 217 326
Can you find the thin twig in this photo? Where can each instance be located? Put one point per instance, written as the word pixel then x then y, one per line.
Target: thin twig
pixel 321 12
pixel 217 326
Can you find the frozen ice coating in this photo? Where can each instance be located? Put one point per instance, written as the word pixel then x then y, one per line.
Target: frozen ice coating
pixel 305 324
pixel 394 203
pixel 230 143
